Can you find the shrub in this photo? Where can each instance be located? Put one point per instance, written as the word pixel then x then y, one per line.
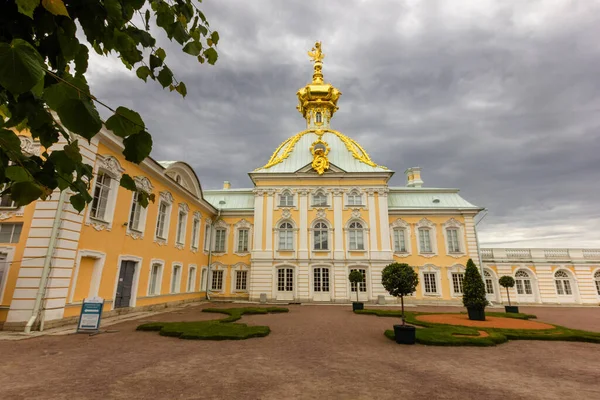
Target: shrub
pixel 473 287
pixel 356 277
pixel 507 282
pixel 399 280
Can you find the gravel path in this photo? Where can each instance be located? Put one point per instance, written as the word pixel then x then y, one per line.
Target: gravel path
pixel 314 352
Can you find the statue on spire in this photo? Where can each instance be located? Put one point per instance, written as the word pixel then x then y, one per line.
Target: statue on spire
pixel 316 55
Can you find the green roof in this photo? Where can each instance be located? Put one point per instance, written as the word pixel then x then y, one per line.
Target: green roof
pixel 411 198
pixel 230 199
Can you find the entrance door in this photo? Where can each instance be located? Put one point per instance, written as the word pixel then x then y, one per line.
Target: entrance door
pixel 285 284
pixel 524 286
pixel 123 297
pixel 321 284
pixel 490 287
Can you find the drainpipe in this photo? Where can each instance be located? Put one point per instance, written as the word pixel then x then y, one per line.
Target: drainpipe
pixel 210 250
pixel 478 248
pixel 46 268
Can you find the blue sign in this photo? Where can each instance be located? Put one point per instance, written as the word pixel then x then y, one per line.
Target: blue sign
pixel 91 314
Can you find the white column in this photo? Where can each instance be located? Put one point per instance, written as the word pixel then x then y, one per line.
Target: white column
pixel 303 232
pixel 471 239
pixel 269 222
pixel 258 220
pixel 338 225
pixel 384 223
pixel 372 221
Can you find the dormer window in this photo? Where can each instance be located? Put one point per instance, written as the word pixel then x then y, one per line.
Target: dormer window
pixel 319 118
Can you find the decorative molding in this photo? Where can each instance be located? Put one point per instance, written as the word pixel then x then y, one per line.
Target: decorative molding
pixel 321 214
pixel 160 242
pixel 286 214
pixel 197 215
pixel 383 192
pixel 452 223
pixel 241 224
pixel 11 212
pixel 167 197
pixel 425 223
pixel 29 146
pixel 111 165
pixel 99 226
pixel 259 192
pixel 184 207
pixel 337 192
pixel 179 246
pixel 356 213
pixel 143 184
pixel 134 235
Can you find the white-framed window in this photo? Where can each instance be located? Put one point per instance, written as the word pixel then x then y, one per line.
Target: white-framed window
pixel 181 224
pixel 563 283
pixel 162 220
pixel 400 240
pixel 489 283
pixel 243 240
pixel 102 191
pixel 196 231
pixel 191 283
pixel 285 279
pixel 430 283
pixel 176 279
pixel 354 198
pixel 356 236
pixel 286 236
pixel 320 279
pixel 220 239
pixel 321 236
pixel 135 214
pixel 597 281
pixel 217 280
pixel 4 264
pixel 286 199
pixel 523 282
pixel 10 233
pixel 457 282
pixel 204 279
pixel 207 235
pixel 452 235
pixel 425 240
pixel 154 284
pixel 362 286
pixel 241 280
pixel 319 199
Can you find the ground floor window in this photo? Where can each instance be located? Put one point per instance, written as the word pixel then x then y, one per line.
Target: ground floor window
pixel 563 283
pixel 321 279
pixel 285 279
pixel 489 284
pixel 203 281
pixel 457 282
pixel 154 279
pixel 241 280
pixel 523 283
pixel 191 285
pixel 430 283
pixel 597 279
pixel 362 286
pixel 176 279
pixel 217 280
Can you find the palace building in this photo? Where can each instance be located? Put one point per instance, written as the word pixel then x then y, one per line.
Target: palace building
pixel 317 209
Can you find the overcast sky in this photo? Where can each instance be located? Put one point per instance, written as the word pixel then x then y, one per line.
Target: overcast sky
pixel 498 98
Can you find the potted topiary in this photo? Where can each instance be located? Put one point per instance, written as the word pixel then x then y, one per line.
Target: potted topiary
pixel 508 282
pixel 474 293
pixel 356 277
pixel 401 280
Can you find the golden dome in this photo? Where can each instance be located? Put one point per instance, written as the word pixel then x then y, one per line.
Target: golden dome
pixel 318 95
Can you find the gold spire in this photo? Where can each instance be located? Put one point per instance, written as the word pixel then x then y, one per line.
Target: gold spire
pixel 317 56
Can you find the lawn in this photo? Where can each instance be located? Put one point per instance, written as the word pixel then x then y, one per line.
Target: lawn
pixel 223 329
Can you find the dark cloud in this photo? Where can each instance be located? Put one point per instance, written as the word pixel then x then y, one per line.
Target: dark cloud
pixel 501 100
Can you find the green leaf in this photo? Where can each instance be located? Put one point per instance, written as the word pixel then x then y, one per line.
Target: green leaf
pixel 78 202
pixel 81 60
pixel 143 72
pixel 10 141
pixel 114 11
pixel 24 193
pixel 211 55
pixel 80 117
pixel 69 45
pixel 215 37
pixel 17 173
pixel 55 7
pixel 27 7
pixel 165 77
pixel 193 48
pixel 179 33
pixel 147 17
pixel 137 147
pixel 21 66
pixel 55 95
pixel 125 122
pixel 63 163
pixel 72 151
pixel 155 62
pixel 181 89
pixel 160 53
pixel 128 183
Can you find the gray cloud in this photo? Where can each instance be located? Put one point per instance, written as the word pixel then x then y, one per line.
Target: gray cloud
pixel 500 99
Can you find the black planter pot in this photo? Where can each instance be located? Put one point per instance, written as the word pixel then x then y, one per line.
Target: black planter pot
pixel 357 306
pixel 405 334
pixel 476 313
pixel 511 309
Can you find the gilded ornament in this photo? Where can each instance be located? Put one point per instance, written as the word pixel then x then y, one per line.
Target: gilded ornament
pixel 319 150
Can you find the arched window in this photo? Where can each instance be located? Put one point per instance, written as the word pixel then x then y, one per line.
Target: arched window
pixel 286 236
pixel 356 236
pixel 563 283
pixel 523 282
pixel 321 236
pixel 489 284
pixel 354 198
pixel 319 118
pixel 319 199
pixel 286 199
pixel 597 280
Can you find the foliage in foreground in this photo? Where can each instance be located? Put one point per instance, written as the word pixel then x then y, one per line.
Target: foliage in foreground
pixel 223 329
pixel 452 335
pixel 473 287
pixel 400 280
pixel 44 53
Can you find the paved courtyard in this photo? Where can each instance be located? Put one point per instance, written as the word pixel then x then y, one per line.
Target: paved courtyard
pixel 314 352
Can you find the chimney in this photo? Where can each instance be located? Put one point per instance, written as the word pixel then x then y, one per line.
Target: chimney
pixel 226 185
pixel 413 177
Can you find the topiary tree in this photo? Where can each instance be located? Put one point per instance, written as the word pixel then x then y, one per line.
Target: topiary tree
pixel 473 288
pixel 507 282
pixel 356 277
pixel 399 280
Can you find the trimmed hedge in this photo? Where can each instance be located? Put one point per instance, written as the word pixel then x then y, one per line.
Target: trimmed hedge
pixel 222 329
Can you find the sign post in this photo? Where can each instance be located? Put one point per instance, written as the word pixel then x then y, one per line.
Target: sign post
pixel 90 316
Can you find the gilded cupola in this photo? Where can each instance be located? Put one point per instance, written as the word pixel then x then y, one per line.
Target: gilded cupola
pixel 317 101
